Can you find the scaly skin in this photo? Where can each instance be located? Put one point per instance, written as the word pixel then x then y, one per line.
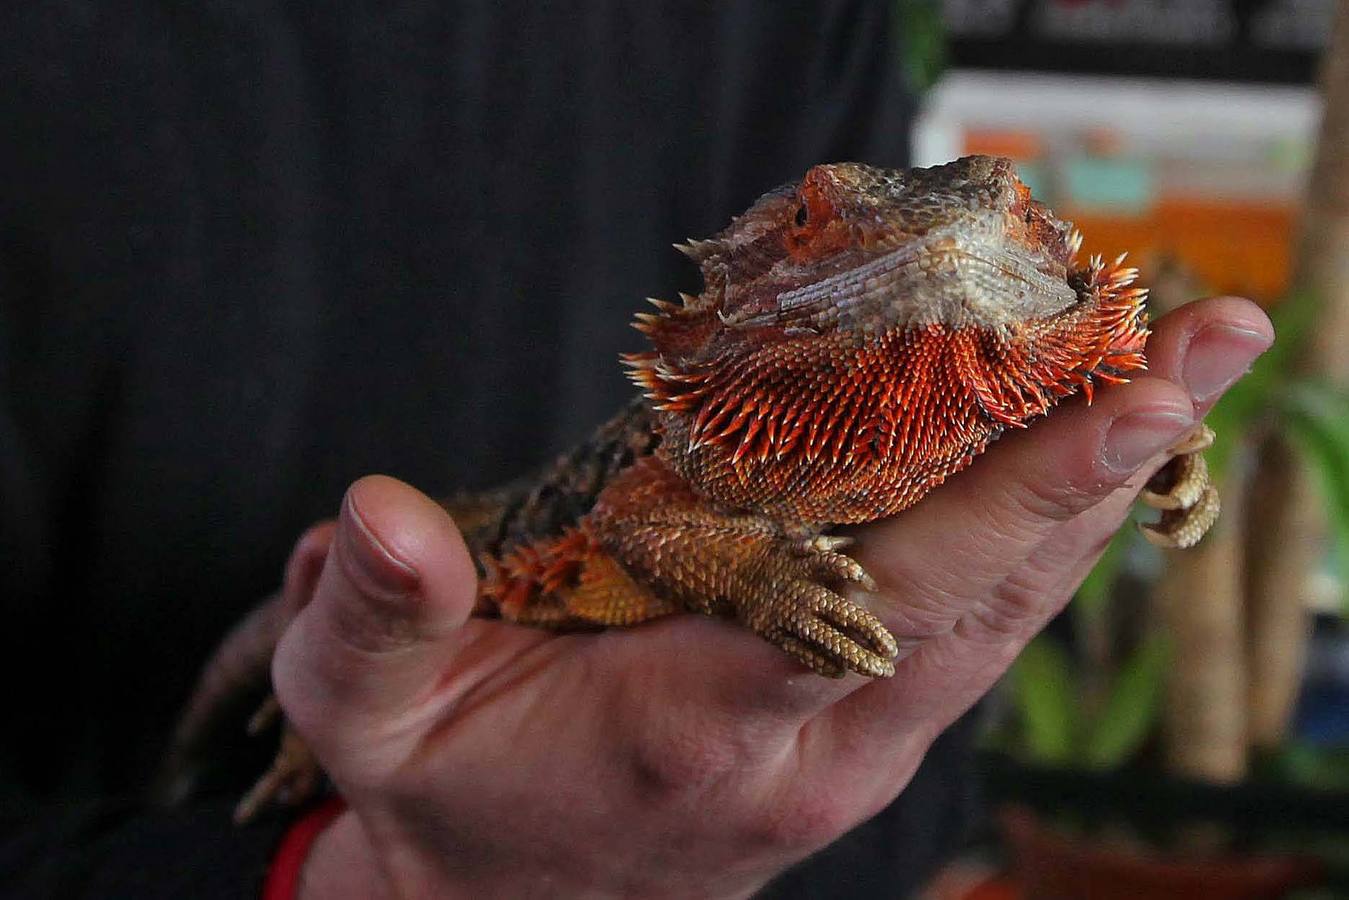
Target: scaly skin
pixel 861 337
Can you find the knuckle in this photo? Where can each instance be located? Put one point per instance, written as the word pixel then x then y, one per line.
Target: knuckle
pixel 920 600
pixel 1013 606
pixel 1052 500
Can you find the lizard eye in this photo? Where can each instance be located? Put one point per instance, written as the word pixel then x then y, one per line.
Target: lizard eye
pixel 802 215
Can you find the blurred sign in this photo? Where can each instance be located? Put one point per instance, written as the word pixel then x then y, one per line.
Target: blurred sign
pixel 1190 175
pixel 1234 40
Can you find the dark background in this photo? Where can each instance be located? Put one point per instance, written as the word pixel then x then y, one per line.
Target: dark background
pixel 250 254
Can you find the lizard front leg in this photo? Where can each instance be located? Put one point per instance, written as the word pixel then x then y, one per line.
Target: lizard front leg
pixel 652 546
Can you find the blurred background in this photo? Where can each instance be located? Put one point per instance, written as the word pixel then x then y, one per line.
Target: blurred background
pixel 1183 729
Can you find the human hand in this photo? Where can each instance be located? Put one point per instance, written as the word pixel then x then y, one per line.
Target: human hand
pixel 687 756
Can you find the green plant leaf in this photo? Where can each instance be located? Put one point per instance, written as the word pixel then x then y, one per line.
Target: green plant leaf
pixel 1293 320
pixel 1316 419
pixel 1093 595
pixel 1131 709
pixel 1311 765
pixel 1042 689
pixel 922 35
pixel 1231 419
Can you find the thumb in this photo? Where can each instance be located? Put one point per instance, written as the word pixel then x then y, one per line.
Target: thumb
pixel 355 667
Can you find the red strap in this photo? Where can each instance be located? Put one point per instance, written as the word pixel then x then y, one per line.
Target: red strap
pixel 283 877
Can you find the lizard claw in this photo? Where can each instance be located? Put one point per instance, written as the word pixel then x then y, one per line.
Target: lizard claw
pixel 826 542
pixel 1200 439
pixel 848 632
pixel 845 568
pixel 822 551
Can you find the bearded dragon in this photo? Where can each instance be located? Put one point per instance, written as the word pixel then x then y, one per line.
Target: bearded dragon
pixel 861 336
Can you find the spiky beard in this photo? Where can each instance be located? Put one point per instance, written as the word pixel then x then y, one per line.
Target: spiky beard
pixel 904 393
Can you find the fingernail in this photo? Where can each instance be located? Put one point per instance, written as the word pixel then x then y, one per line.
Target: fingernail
pixel 1135 438
pixel 385 572
pixel 1218 355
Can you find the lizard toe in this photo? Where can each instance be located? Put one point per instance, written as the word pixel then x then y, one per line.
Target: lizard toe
pixel 828 563
pixel 848 635
pixel 817 660
pixel 1183 490
pixel 1179 485
pixel 1180 529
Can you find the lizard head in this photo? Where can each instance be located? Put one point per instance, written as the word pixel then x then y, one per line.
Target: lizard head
pixel 852 246
pixel 850 268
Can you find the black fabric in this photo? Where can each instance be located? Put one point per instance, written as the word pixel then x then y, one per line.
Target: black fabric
pixel 897 850
pixel 105 849
pixel 251 250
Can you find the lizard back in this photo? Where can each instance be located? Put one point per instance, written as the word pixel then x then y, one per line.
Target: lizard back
pixel 543 505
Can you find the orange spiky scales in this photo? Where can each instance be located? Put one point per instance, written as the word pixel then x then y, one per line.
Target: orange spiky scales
pixel 866 333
